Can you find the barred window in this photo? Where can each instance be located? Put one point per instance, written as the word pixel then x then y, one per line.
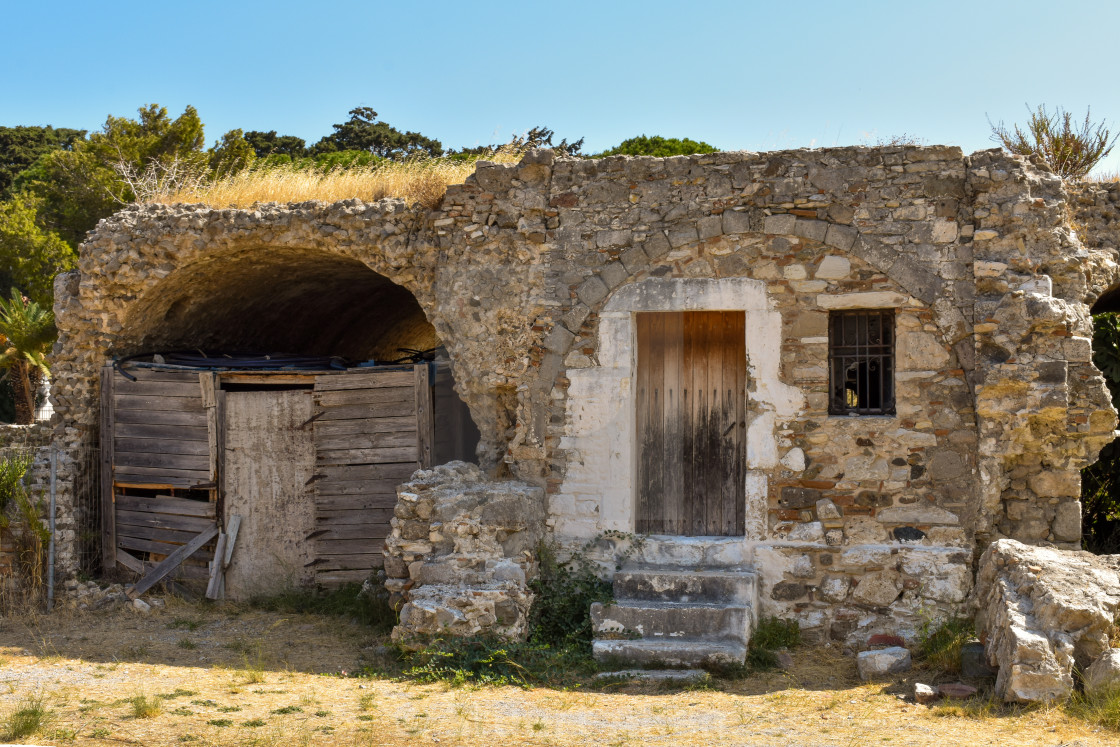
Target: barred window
pixel 861 362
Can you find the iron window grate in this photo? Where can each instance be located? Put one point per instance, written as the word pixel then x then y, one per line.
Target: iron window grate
pixel 861 362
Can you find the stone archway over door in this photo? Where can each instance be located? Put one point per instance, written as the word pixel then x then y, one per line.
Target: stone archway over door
pixel 690 403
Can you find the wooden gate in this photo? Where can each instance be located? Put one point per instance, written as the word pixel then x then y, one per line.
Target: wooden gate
pixel 691 422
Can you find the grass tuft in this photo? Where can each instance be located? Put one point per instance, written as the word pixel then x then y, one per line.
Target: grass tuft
pixel 345 601
pixel 1102 708
pixel 940 647
pixel 145 707
pixel 29 718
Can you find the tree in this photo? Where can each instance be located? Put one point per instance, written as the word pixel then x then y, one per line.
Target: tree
pixel 79 187
pixel 30 257
pixel 655 145
pixel 267 144
pixel 1070 150
pixel 22 146
pixel 231 154
pixel 28 332
pixel 363 131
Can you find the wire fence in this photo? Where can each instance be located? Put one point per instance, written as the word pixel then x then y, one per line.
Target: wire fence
pixel 86 486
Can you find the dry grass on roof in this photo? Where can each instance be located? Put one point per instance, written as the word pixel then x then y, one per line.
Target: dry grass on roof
pixel 418 182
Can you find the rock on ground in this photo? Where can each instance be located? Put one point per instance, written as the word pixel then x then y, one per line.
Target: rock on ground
pixel 883 661
pixel 1044 611
pixel 1104 673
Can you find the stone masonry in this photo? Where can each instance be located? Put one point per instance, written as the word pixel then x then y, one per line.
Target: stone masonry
pixel 531 274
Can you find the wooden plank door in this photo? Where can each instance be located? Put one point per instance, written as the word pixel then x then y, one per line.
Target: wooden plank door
pixel 691 422
pixel 373 429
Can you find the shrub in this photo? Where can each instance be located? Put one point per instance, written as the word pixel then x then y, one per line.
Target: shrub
pixel 1070 150
pixel 29 718
pixel 349 601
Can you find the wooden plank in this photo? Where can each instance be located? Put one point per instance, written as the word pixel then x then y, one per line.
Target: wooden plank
pixel 160 432
pixel 425 419
pixel 165 504
pixel 157 403
pixel 374 530
pixel 347 562
pixel 195 419
pixel 337 428
pixel 675 398
pixel 185 388
pixel 372 396
pixel 392 471
pixel 368 456
pixel 193 524
pixel 167 476
pixel 161 548
pixel 326 518
pixel 365 412
pixel 212 586
pixel 161 446
pixel 365 441
pixel 732 447
pixel 338 578
pixel 355 502
pixel 363 380
pixel 171 562
pixel 232 530
pixel 108 535
pixel 146 375
pixel 174 462
pixel 325 547
pixel 357 487
pixel 154 533
pixel 274 379
pixel 208 384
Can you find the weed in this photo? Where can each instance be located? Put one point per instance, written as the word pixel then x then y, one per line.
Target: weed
pixel 288 709
pixel 538 725
pixel 940 647
pixel 220 722
pixel 101 733
pixel 365 702
pixel 322 714
pixel 254 722
pixel 29 718
pixel 64 734
pixel 228 709
pixel 487 660
pixel 145 707
pixel 185 623
pixel 189 738
pixel 1102 707
pixel 977 707
pixel 177 693
pixel 187 643
pixel 134 652
pixel 182 711
pixel 209 703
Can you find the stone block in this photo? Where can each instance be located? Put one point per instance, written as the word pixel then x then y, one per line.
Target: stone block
pixel 592 291
pixel 736 221
pixel 1103 675
pixel 833 267
pixel 779 224
pixel 1067 522
pixel 878 589
pixel 882 662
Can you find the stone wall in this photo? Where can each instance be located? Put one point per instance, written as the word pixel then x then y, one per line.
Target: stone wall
pixel 530 273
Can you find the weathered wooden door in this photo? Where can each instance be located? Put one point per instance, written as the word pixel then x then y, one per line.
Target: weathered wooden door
pixel 691 413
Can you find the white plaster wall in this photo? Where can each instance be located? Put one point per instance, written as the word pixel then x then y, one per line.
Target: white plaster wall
pixel 598 492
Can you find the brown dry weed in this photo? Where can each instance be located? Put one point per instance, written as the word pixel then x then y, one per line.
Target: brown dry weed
pixel 422 182
pixel 257 678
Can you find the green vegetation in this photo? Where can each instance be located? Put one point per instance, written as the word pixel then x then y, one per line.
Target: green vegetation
pixel 345 601
pixel 1100 486
pixel 27 332
pixel 30 717
pixel 1071 150
pixel 940 646
pixel 561 613
pixel 146 707
pixel 655 145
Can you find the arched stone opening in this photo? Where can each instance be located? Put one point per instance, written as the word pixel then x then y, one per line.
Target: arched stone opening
pixel 278 300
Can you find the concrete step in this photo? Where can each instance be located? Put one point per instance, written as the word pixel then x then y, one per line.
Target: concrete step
pixel 676 652
pixel 672 620
pixel 726 586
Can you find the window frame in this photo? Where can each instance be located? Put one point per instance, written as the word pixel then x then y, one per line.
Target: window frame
pixel 850 344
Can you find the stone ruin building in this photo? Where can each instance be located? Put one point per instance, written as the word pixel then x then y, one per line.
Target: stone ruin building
pixel 814 384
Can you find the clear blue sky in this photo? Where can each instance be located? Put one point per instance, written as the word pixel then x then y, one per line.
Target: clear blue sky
pixel 739 75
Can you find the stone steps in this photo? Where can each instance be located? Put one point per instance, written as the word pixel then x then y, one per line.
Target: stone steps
pixel 671 620
pixel 675 617
pixel 678 653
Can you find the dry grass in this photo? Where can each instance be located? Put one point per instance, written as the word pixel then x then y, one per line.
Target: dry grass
pixel 299 697
pixel 422 182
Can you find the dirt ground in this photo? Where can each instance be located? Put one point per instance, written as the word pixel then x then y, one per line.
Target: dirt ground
pixel 228 675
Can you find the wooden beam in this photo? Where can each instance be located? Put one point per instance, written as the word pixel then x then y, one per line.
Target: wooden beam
pixel 208 381
pixel 425 422
pixel 171 562
pixel 212 587
pixel 108 532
